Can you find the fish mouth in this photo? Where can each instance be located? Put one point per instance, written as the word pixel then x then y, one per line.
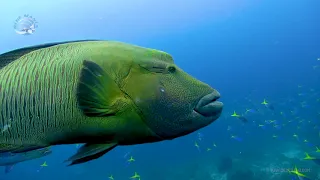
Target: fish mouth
pixel 208 106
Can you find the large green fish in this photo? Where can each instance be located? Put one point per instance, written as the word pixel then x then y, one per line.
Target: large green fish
pixel 101 93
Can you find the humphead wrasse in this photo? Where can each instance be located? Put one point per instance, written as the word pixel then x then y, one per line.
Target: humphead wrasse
pixel 101 93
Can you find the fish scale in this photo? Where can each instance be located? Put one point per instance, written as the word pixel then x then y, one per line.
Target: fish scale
pixel 41 89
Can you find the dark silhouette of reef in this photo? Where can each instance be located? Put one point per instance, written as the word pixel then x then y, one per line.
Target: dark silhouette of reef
pixel 242 175
pixel 224 164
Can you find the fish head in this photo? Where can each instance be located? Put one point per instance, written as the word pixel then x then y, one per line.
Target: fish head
pixel 172 103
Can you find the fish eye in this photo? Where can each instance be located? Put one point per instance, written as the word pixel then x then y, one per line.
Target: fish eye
pixel 171 69
pixel 162 90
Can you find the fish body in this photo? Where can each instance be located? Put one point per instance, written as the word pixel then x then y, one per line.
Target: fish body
pixel 10 159
pixel 101 93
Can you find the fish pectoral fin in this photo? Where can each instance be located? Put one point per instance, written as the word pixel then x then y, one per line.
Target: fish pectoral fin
pixel 97 93
pixel 8 168
pixel 89 152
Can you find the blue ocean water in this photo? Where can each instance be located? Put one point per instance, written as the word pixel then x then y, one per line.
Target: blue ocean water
pixel 249 50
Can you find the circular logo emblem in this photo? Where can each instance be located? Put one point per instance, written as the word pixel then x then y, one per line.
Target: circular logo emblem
pixel 25 25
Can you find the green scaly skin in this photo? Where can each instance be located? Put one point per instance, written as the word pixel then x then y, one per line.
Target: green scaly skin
pixel 38 98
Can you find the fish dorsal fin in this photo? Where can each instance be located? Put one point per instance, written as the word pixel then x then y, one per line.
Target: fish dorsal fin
pixel 13 55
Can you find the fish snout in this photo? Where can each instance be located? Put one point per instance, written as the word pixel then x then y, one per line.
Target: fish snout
pixel 208 105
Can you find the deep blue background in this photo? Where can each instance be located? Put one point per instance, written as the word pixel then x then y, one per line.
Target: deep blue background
pixel 252 49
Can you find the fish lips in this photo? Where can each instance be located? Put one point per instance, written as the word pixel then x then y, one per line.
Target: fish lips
pixel 208 106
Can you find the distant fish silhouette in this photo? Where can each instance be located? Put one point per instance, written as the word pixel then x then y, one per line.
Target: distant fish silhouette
pixel 10 159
